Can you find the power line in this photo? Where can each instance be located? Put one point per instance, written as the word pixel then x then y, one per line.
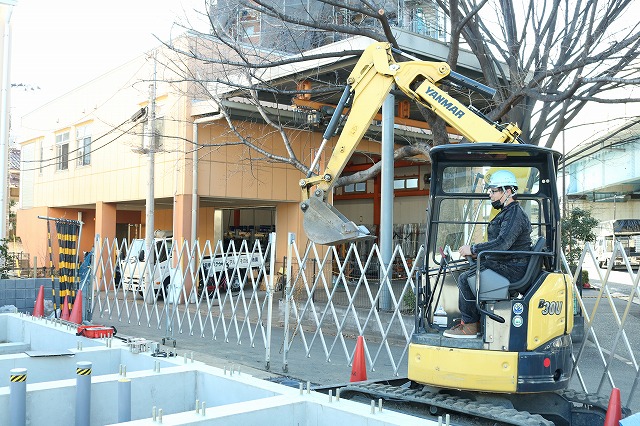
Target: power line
pixel 54 163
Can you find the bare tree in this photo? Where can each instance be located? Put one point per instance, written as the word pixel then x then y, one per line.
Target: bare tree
pixel 559 56
pixel 547 59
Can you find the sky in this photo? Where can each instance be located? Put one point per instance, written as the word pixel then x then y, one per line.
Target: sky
pixel 59 45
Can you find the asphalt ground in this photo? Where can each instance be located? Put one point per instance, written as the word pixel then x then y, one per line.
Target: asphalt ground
pixel 301 365
pixel 620 351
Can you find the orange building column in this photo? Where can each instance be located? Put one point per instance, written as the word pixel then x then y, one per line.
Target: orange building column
pixel 106 220
pixel 105 226
pixel 182 219
pixel 182 232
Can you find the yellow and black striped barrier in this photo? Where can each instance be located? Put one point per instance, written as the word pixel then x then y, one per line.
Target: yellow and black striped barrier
pixel 68 235
pixel 67 241
pixel 83 371
pixel 15 378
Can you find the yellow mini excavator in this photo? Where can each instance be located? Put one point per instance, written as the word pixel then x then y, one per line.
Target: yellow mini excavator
pixel 517 370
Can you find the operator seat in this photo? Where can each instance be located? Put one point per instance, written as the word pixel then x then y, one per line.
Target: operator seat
pixel 533 268
pixel 494 287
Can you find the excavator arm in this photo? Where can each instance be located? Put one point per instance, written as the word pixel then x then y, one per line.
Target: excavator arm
pixel 368 85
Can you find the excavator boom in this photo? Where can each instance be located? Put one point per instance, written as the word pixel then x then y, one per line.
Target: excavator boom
pixel 368 85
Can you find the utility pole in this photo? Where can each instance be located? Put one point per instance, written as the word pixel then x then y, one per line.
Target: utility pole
pixel 150 145
pixel 386 203
pixel 5 15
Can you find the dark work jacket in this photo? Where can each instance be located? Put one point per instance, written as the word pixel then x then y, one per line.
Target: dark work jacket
pixel 510 229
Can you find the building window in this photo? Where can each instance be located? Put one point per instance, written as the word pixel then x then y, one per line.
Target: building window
pixel 249 15
pixel 249 24
pixel 83 145
pixel 405 183
pixel 355 187
pixel 62 151
pixel 427 19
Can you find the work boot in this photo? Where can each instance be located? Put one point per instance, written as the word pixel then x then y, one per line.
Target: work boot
pixel 463 331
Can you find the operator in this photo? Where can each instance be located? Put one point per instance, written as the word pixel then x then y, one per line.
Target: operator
pixel 510 229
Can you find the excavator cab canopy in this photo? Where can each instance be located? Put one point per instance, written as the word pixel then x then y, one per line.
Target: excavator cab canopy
pixel 459 207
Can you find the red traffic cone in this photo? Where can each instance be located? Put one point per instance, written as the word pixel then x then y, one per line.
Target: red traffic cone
pixel 359 367
pixel 76 311
pixel 614 410
pixel 65 310
pixel 38 309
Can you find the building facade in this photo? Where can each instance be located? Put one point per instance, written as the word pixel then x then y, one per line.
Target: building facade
pixel 603 175
pixel 86 157
pixel 248 25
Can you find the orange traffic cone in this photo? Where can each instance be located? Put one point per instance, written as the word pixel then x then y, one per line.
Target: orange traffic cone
pixel 65 310
pixel 614 410
pixel 359 368
pixel 76 311
pixel 38 309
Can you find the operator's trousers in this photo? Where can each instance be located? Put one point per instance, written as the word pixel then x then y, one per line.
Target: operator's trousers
pixel 511 269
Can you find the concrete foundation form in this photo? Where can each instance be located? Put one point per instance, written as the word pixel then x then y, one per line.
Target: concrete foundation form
pixel 176 390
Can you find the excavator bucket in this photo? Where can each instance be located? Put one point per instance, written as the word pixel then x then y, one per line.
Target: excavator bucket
pixel 326 225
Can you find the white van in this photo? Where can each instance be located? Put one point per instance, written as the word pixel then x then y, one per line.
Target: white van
pixel 136 270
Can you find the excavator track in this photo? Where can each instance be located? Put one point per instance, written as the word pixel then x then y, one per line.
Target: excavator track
pixel 587 404
pixel 582 408
pixel 447 403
